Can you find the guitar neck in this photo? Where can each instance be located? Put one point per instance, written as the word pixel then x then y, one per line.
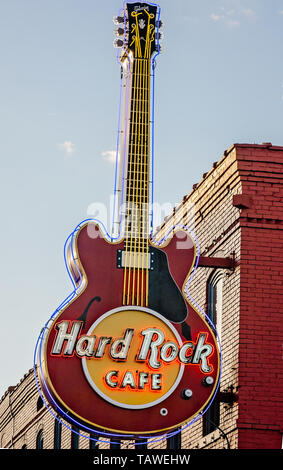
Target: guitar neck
pixel 138 32
pixel 138 167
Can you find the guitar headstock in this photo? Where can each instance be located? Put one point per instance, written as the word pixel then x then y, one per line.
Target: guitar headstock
pixel 138 30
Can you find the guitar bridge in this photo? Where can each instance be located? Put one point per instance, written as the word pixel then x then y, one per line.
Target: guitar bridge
pixel 135 260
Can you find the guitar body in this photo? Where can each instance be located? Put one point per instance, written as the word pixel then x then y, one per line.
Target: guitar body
pixel 102 289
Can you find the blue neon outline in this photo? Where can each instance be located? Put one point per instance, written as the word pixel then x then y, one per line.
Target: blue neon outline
pixel 69 244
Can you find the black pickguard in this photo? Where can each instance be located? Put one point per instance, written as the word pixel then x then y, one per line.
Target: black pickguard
pixel 164 295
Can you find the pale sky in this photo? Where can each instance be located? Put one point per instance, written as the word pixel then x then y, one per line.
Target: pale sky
pixel 218 81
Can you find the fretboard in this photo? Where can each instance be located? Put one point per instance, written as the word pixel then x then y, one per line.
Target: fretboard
pixel 137 181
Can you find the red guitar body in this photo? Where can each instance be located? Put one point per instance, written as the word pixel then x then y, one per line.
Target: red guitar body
pixel 63 378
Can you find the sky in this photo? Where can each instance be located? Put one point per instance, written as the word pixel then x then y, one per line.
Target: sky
pixel 219 80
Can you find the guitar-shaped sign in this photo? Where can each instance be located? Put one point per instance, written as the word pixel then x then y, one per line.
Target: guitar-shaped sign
pixel 129 354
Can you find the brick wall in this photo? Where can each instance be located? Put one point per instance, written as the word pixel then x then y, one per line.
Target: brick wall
pixel 238 207
pixel 20 421
pixel 260 361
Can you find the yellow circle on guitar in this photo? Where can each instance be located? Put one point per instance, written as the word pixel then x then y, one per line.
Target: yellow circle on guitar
pixel 126 368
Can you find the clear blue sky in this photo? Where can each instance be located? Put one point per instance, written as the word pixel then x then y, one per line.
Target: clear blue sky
pixel 218 81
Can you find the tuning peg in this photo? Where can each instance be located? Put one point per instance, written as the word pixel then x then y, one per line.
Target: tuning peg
pixel 119 32
pixel 159 36
pixel 159 24
pixel 118 19
pixel 118 43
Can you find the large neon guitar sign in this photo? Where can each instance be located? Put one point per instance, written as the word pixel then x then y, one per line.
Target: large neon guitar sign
pixel 127 353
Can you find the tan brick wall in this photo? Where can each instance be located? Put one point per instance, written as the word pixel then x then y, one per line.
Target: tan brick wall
pixel 20 421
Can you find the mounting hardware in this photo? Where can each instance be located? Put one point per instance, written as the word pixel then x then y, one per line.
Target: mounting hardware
pixel 187 393
pixel 118 43
pixel 207 381
pixel 164 412
pixel 159 24
pixel 118 20
pixel 119 32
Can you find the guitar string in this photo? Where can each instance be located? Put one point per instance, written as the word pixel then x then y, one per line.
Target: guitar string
pixel 126 213
pixel 144 162
pixel 136 281
pixel 128 246
pixel 147 189
pixel 146 131
pixel 130 163
pixel 141 179
pixel 145 198
pixel 141 189
pixel 126 220
pixel 135 187
pixel 135 192
pixel 140 185
pixel 138 208
pixel 132 180
pixel 142 196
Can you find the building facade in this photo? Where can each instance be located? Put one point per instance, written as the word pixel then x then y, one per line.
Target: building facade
pixel 236 213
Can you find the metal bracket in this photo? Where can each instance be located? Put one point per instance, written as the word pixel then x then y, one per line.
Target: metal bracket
pixel 220 263
pixel 227 396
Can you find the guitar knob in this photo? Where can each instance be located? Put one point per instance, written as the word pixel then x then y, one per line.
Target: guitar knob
pixel 207 381
pixel 187 394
